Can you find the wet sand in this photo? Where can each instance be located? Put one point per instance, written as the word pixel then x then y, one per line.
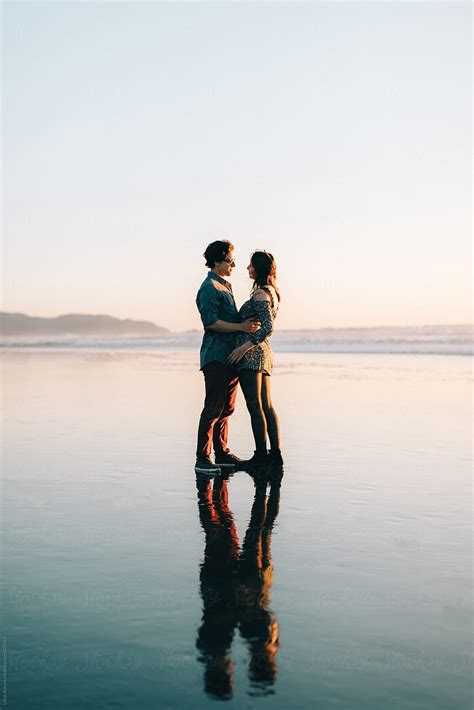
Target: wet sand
pixel 129 584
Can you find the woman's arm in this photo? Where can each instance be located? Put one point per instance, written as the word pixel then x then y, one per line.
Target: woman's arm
pixel 264 314
pixel 263 311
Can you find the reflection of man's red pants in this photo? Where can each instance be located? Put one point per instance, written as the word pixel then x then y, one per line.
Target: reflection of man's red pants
pixel 221 390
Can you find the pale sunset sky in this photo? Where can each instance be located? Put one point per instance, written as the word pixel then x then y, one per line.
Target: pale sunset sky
pixel 334 134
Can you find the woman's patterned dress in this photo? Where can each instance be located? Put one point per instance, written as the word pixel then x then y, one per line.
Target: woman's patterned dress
pixel 260 357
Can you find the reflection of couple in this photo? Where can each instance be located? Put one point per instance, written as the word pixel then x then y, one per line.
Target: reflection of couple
pixel 235 588
pixel 235 348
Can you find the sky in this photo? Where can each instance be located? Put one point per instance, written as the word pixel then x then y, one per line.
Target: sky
pixel 335 135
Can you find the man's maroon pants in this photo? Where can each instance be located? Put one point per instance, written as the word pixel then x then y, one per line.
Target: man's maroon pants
pixel 221 390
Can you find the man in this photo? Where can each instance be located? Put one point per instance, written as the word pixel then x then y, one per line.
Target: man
pixel 220 319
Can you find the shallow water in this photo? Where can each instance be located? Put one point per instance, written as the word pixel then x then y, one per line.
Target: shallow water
pixel 347 587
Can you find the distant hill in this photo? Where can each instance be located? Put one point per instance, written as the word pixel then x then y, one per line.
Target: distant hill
pixel 75 324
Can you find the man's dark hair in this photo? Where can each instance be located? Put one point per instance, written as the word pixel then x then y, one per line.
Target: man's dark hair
pixel 216 252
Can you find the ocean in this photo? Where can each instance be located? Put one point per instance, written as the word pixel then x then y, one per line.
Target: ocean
pixel 435 340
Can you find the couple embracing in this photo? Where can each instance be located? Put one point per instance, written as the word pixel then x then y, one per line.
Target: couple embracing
pixel 235 348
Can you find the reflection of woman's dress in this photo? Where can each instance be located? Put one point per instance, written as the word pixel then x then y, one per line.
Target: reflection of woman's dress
pixel 235 589
pixel 260 357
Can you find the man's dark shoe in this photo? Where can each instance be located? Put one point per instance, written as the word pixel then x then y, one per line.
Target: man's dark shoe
pixel 228 459
pixel 204 465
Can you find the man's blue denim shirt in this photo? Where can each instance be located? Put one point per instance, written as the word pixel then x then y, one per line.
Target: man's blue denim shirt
pixel 215 301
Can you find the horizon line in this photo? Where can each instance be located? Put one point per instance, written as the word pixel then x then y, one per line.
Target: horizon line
pixel 198 330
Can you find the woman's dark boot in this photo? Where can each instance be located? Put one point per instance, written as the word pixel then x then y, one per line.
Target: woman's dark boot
pixel 259 458
pixel 276 457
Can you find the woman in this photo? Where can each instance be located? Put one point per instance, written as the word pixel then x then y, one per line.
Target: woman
pixel 253 358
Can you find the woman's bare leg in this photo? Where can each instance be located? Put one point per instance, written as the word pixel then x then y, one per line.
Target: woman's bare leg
pixel 273 425
pixel 251 384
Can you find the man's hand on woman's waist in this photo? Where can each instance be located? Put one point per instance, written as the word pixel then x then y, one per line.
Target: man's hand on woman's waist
pixel 248 326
